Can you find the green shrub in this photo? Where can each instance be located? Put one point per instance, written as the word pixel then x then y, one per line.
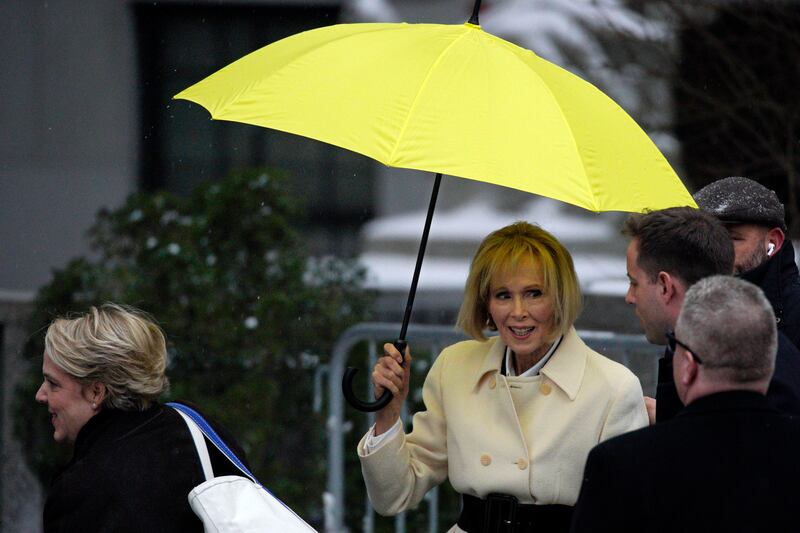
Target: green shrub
pixel 249 317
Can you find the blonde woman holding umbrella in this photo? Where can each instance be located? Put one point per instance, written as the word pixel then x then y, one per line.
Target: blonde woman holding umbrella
pixel 509 419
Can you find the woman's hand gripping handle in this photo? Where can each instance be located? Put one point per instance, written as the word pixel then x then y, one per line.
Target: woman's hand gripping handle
pixel 391 374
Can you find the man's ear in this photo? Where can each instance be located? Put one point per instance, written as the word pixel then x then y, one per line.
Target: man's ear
pixel 688 371
pixel 776 237
pixel 667 287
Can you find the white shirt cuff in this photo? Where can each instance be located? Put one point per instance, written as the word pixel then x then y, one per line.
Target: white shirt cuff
pixel 373 443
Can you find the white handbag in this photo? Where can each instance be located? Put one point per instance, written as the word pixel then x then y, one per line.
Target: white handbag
pixel 234 504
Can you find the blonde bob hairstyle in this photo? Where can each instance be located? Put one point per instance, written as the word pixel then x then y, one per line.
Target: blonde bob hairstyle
pixel 120 347
pixel 508 248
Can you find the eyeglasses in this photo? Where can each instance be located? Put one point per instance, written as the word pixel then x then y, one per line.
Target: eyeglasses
pixel 672 342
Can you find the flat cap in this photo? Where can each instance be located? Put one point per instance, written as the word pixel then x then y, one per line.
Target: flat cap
pixel 738 200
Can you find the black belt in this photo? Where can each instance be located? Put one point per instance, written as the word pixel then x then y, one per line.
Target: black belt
pixel 501 513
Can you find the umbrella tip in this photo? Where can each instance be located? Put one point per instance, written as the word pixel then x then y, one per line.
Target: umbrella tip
pixel 475 10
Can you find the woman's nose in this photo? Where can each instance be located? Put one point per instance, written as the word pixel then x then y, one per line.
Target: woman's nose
pixel 41 397
pixel 519 308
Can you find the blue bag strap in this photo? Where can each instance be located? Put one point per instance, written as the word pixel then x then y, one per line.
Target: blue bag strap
pixel 209 432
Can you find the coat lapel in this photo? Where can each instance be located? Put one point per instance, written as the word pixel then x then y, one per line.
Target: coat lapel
pixel 567 366
pixel 491 362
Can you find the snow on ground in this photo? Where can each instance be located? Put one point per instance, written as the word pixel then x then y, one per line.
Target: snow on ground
pixel 394 271
pixel 470 221
pixel 599 272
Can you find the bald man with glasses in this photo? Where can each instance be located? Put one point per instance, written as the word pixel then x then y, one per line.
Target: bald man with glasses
pixel 728 461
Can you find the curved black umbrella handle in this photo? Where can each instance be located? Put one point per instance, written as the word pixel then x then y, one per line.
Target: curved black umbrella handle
pixel 380 403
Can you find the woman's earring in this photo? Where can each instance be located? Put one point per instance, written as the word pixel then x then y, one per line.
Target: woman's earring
pixel 94 405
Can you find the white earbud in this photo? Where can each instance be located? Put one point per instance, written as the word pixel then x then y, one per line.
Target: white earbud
pixel 770 249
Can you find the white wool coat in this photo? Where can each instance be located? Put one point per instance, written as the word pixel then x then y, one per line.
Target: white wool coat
pixel 524 436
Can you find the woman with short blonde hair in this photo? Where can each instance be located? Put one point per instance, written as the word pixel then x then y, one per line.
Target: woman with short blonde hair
pixel 509 419
pixel 507 247
pixel 134 461
pixel 119 346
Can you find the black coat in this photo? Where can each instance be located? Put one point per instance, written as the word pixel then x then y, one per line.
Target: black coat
pixel 728 462
pixel 783 393
pixel 132 472
pixel 779 279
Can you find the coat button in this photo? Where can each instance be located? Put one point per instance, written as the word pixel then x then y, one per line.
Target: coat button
pixel 522 464
pixel 492 382
pixel 486 459
pixel 545 389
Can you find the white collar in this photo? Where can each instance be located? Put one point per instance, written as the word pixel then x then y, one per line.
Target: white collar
pixel 534 370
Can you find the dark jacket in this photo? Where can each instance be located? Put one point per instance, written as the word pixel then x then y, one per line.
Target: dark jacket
pixel 132 472
pixel 728 462
pixel 783 393
pixel 779 279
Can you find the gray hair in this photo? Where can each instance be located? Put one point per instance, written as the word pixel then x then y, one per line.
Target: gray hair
pixel 120 347
pixel 731 324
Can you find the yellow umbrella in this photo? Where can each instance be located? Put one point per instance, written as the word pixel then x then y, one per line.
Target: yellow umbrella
pixel 450 99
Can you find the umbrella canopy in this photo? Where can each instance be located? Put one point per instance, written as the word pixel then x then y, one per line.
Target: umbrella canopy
pixel 450 99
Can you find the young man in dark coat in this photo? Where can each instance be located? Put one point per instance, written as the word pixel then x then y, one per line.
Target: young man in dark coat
pixel 754 218
pixel 670 250
pixel 728 462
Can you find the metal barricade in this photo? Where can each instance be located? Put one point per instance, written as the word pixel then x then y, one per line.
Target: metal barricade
pixel 633 351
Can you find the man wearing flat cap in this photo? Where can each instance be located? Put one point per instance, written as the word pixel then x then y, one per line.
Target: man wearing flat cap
pixel 754 218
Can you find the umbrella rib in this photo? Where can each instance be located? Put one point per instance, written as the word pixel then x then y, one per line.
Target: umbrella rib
pixel 577 151
pixel 419 92
pixel 596 208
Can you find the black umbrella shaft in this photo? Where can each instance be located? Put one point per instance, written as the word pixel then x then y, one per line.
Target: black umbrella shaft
pixel 420 255
pixel 474 18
